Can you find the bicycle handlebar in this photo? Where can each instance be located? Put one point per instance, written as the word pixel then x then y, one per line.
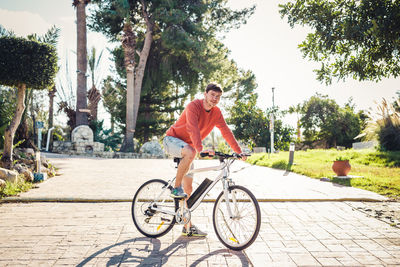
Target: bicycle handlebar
pixel 223 155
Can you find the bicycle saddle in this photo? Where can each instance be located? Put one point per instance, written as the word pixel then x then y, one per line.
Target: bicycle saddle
pixel 177 160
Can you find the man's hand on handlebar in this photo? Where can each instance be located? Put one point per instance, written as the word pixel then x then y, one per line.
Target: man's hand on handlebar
pixel 211 153
pixel 243 156
pixel 207 153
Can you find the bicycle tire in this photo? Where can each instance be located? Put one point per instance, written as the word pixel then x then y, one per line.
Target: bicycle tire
pixel 241 231
pixel 158 223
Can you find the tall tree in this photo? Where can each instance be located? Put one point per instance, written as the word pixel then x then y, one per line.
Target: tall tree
pixel 324 120
pixel 251 124
pixel 183 24
pixel 172 76
pixel 26 64
pixel 81 56
pixel 351 38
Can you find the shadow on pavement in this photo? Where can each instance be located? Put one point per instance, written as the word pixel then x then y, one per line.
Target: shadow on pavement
pixel 145 256
pixel 242 168
pixel 241 256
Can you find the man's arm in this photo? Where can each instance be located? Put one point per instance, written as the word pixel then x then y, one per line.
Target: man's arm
pixel 228 135
pixel 192 126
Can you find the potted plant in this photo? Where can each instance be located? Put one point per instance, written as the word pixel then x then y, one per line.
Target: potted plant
pixel 341 166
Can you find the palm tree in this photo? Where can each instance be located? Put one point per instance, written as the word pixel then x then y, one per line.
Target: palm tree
pixel 81 90
pixel 94 94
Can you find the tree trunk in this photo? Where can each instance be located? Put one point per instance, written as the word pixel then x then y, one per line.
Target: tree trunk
pixel 23 133
pixel 129 42
pixel 129 46
pixel 81 103
pixel 147 117
pixel 94 97
pixel 144 54
pixel 52 93
pixel 10 130
pixel 112 125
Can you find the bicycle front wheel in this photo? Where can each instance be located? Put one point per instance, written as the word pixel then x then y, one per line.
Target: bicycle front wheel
pixel 151 222
pixel 237 218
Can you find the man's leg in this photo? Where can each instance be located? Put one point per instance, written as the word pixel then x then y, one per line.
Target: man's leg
pixel 187 185
pixel 188 188
pixel 188 155
pixel 189 227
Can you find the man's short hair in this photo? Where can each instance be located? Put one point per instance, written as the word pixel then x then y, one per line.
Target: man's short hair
pixel 214 87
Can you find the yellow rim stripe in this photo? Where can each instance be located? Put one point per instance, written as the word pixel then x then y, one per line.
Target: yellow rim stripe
pixel 161 224
pixel 234 240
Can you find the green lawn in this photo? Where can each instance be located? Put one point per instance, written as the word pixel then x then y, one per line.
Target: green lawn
pixel 381 170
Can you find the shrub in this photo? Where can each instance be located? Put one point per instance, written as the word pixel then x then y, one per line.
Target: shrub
pixel 110 140
pixel 386 129
pixel 341 158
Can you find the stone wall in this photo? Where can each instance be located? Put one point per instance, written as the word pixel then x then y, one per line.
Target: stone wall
pixel 365 145
pixel 87 147
pixel 62 146
pixel 116 155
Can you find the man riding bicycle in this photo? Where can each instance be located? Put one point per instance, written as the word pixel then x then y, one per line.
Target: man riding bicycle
pixel 183 140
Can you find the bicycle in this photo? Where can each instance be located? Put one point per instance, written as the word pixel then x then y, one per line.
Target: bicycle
pixel 236 213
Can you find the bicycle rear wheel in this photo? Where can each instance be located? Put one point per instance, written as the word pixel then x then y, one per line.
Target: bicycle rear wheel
pixel 241 230
pixel 150 222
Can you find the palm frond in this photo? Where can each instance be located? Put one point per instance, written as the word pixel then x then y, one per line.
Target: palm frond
pixel 5 32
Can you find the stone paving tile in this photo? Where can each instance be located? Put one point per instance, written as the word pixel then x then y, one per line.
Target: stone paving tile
pixel 328 262
pixel 304 259
pixel 97 234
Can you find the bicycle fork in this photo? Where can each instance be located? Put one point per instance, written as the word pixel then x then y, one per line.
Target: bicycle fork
pixel 230 202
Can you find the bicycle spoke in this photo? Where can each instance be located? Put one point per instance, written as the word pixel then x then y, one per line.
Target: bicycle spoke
pixel 149 221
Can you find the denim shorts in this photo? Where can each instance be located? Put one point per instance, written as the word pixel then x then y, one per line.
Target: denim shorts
pixel 173 146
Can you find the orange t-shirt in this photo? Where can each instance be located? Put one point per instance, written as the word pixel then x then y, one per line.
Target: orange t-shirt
pixel 195 123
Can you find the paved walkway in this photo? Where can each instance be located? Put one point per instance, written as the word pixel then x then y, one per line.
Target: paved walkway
pixel 118 179
pixel 313 233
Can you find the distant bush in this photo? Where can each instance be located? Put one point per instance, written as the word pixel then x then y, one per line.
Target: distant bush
pixel 386 129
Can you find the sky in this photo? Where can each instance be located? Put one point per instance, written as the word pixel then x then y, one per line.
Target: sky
pixel 266 45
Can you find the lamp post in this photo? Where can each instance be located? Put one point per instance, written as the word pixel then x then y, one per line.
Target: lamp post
pixel 272 122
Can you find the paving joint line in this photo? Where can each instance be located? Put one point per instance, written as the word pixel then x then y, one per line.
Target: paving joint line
pixel 114 200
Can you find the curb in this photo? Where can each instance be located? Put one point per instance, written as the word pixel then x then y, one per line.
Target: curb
pixel 111 200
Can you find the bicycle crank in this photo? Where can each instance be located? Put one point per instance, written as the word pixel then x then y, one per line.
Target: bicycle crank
pixel 182 215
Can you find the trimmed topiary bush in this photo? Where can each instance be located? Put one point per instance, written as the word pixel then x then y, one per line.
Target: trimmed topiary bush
pixel 24 64
pixel 29 62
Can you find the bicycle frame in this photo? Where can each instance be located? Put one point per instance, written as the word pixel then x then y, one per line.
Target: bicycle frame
pixel 223 176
